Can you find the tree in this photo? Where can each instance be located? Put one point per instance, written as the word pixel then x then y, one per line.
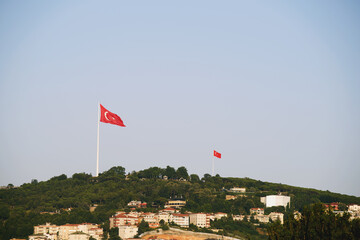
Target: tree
pixel 182 172
pixel 114 234
pixel 143 227
pixel 194 178
pixel 34 181
pixel 114 171
pixel 206 177
pixel 170 172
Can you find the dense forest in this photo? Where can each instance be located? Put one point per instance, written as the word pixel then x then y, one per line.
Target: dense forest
pixel 64 199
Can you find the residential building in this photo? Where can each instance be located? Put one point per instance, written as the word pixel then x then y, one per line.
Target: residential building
pixel 123 219
pixel 163 216
pixel 79 236
pixel 169 210
pixel 180 219
pixel 48 228
pixel 275 200
pixel 333 206
pixel 354 208
pixel 230 197
pixel 220 215
pixel 66 230
pixel 127 231
pixel 200 220
pixel 237 190
pixel 151 219
pixel 256 211
pixel 137 204
pixel 39 237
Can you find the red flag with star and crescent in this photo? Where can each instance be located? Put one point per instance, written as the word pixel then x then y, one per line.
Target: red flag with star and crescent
pixel 108 117
pixel 217 154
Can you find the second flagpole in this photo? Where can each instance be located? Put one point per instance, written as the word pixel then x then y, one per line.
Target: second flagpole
pixel 98 141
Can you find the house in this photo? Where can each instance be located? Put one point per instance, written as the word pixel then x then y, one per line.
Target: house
pixel 200 220
pixel 180 219
pixel 332 206
pixel 230 197
pixel 275 200
pixel 256 211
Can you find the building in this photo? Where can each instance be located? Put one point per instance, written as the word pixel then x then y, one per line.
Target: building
pixel 200 220
pixel 354 208
pixel 237 190
pixel 277 216
pixel 169 210
pixel 220 215
pixel 137 204
pixel 40 237
pixel 67 229
pixel 256 211
pixel 163 216
pixel 48 228
pixel 230 197
pixel 333 206
pixel 151 219
pixel 175 203
pixel 127 231
pixel 123 219
pixel 79 236
pixel 180 219
pixel 275 200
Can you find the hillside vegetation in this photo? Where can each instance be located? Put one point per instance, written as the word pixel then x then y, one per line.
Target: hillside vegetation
pixel 67 199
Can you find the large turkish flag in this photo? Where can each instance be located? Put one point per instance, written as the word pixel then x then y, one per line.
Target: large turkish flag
pixel 108 117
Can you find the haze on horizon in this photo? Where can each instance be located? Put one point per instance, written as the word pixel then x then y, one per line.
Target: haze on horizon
pixel 273 86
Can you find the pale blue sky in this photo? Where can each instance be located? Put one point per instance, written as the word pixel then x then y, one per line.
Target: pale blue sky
pixel 272 85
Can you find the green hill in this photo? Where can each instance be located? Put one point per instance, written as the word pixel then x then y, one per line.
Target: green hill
pixel 63 199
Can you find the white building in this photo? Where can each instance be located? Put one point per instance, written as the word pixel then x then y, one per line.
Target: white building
pixel 48 228
pixel 79 236
pixel 354 208
pixel 275 200
pixel 127 231
pixel 180 219
pixel 237 190
pixel 220 215
pixel 200 220
pixel 163 216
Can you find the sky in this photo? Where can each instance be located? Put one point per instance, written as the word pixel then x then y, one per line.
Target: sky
pixel 274 86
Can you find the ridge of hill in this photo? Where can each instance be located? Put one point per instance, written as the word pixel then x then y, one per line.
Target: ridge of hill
pixel 62 200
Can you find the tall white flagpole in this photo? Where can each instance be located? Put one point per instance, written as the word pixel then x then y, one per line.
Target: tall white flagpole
pixel 98 140
pixel 213 166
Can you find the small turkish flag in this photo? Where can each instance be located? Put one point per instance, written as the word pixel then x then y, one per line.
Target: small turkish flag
pixel 216 154
pixel 109 117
